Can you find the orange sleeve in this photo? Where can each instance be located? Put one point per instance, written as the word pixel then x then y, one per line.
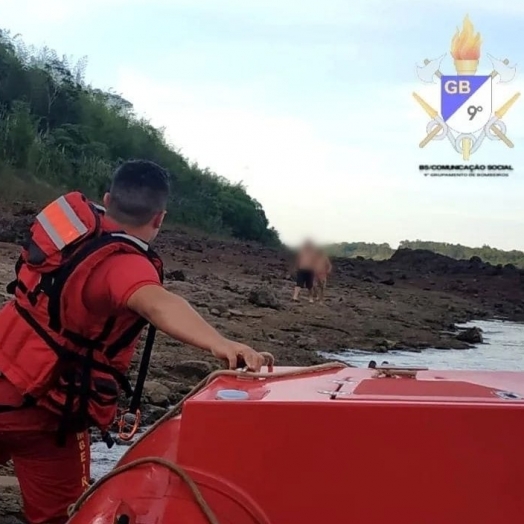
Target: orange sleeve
pixel 116 279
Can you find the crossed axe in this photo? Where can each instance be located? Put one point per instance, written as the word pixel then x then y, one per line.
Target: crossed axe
pixel 431 69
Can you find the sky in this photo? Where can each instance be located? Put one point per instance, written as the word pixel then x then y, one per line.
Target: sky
pixel 308 103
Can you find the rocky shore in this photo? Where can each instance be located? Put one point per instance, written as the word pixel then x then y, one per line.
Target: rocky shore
pixel 412 301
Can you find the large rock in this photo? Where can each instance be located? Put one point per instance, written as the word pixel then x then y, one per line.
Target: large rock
pixel 177 275
pixel 151 414
pixel 176 390
pixel 471 335
pixel 156 393
pixel 423 261
pixel 305 342
pixel 385 345
pixel 195 369
pixel 475 262
pixel 264 296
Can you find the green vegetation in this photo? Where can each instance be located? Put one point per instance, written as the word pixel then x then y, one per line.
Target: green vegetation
pixel 360 249
pixel 56 132
pixel 383 251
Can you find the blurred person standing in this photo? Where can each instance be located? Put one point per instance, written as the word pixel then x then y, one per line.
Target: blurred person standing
pixel 305 269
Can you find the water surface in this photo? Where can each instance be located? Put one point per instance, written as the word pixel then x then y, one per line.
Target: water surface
pixel 104 459
pixel 502 350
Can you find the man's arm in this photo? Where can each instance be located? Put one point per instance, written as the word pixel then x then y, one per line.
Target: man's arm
pixel 328 265
pixel 174 316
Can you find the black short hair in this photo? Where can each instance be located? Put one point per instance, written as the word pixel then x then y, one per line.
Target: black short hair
pixel 139 190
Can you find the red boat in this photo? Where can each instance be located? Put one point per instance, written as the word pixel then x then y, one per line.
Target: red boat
pixel 328 444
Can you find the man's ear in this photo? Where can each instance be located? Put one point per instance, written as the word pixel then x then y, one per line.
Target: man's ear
pixel 158 220
pixel 106 200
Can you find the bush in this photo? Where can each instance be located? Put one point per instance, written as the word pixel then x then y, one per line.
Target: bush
pixel 70 135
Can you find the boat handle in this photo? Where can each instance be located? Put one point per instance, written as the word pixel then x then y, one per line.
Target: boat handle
pixel 269 361
pixel 397 371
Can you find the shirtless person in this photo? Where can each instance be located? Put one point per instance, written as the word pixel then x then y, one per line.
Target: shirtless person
pixel 305 269
pixel 323 268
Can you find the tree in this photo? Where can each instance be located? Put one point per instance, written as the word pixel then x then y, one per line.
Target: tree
pixel 72 136
pixel 458 251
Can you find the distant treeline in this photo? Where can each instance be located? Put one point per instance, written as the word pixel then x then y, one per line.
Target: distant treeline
pixel 57 132
pixel 384 251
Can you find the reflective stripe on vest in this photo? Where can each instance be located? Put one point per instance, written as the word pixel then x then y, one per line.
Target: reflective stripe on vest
pixel 61 223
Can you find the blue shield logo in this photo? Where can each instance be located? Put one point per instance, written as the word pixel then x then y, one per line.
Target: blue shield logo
pixel 466 102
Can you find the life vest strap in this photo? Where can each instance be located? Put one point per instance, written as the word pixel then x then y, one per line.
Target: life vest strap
pixel 90 247
pixel 126 338
pixel 67 411
pixel 69 356
pixel 11 287
pixel 142 372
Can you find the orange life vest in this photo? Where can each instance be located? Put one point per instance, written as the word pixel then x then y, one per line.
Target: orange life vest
pixel 74 371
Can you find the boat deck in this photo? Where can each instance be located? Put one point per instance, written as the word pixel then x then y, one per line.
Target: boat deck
pixel 363 385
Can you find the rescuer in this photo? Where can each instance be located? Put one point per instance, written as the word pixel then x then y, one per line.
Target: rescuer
pixel 87 283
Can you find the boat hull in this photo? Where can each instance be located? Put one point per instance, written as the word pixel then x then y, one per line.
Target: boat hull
pixel 342 446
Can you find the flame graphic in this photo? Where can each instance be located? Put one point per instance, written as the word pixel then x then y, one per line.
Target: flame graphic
pixel 466 44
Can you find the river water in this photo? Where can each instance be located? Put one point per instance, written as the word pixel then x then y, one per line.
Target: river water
pixel 502 350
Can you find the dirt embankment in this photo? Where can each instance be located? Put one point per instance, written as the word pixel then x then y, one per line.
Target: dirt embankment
pixel 412 301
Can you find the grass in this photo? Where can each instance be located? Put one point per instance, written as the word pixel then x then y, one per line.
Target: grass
pixel 20 187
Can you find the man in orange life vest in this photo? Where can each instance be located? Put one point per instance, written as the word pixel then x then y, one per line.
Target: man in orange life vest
pixel 87 283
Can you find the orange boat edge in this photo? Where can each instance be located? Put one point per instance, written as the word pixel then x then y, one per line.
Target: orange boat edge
pixel 330 444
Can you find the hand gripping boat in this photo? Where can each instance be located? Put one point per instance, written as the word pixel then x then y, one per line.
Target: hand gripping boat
pixel 326 445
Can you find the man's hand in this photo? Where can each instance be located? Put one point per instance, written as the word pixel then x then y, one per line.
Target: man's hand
pixel 175 317
pixel 235 351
